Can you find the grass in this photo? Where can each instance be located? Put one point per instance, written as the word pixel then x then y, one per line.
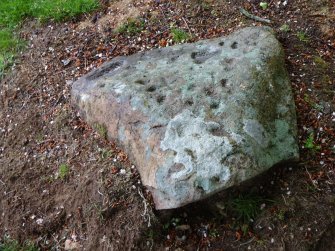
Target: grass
pixel 309 143
pixel 264 5
pixel 105 154
pixel 131 27
pixel 285 28
pixel 302 36
pixel 63 171
pixel 13 245
pixel 313 104
pixel 321 65
pixel 246 207
pixel 179 36
pixel 101 130
pixel 14 12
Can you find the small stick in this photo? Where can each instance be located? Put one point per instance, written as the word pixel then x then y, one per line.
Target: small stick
pixel 256 18
pixel 284 199
pixel 312 181
pixel 145 208
pixel 248 242
pixel 189 30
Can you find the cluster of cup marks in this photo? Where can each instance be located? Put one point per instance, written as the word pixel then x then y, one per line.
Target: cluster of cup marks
pixel 198 57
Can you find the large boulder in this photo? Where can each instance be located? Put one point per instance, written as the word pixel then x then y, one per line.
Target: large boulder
pixel 196 118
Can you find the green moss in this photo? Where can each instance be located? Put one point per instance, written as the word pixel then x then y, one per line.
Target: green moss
pixel 274 74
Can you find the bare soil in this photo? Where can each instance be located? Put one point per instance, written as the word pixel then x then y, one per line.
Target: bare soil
pixel 100 203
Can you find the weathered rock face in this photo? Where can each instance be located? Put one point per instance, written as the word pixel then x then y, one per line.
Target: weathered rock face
pixel 196 118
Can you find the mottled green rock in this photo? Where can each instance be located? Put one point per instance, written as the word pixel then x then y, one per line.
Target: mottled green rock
pixel 196 118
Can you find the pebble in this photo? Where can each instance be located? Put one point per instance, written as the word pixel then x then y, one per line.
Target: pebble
pixel 71 245
pixel 39 221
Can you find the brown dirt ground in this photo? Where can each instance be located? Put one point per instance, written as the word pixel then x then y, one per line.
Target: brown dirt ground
pixel 100 203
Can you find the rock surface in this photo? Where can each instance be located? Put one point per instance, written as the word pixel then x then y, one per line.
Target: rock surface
pixel 196 118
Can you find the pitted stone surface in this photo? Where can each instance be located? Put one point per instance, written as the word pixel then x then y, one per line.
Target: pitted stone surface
pixel 196 118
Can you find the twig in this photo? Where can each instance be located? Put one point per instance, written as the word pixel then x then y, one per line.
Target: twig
pixel 256 18
pixel 189 30
pixel 248 242
pixel 284 199
pixel 145 208
pixel 100 193
pixel 3 183
pixel 310 177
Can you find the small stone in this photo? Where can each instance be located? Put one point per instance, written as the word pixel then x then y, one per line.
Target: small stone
pixel 66 62
pixel 71 245
pixel 39 221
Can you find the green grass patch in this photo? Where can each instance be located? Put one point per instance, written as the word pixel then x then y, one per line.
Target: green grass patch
pixel 309 143
pixel 14 12
pixel 313 104
pixel 179 36
pixel 101 130
pixel 131 27
pixel 63 171
pixel 285 28
pixel 12 245
pixel 321 65
pixel 302 36
pixel 7 41
pixel 246 207
pixel 6 59
pixel 60 10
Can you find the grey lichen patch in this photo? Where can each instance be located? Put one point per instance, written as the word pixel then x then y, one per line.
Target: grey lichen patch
pixel 191 138
pixel 255 130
